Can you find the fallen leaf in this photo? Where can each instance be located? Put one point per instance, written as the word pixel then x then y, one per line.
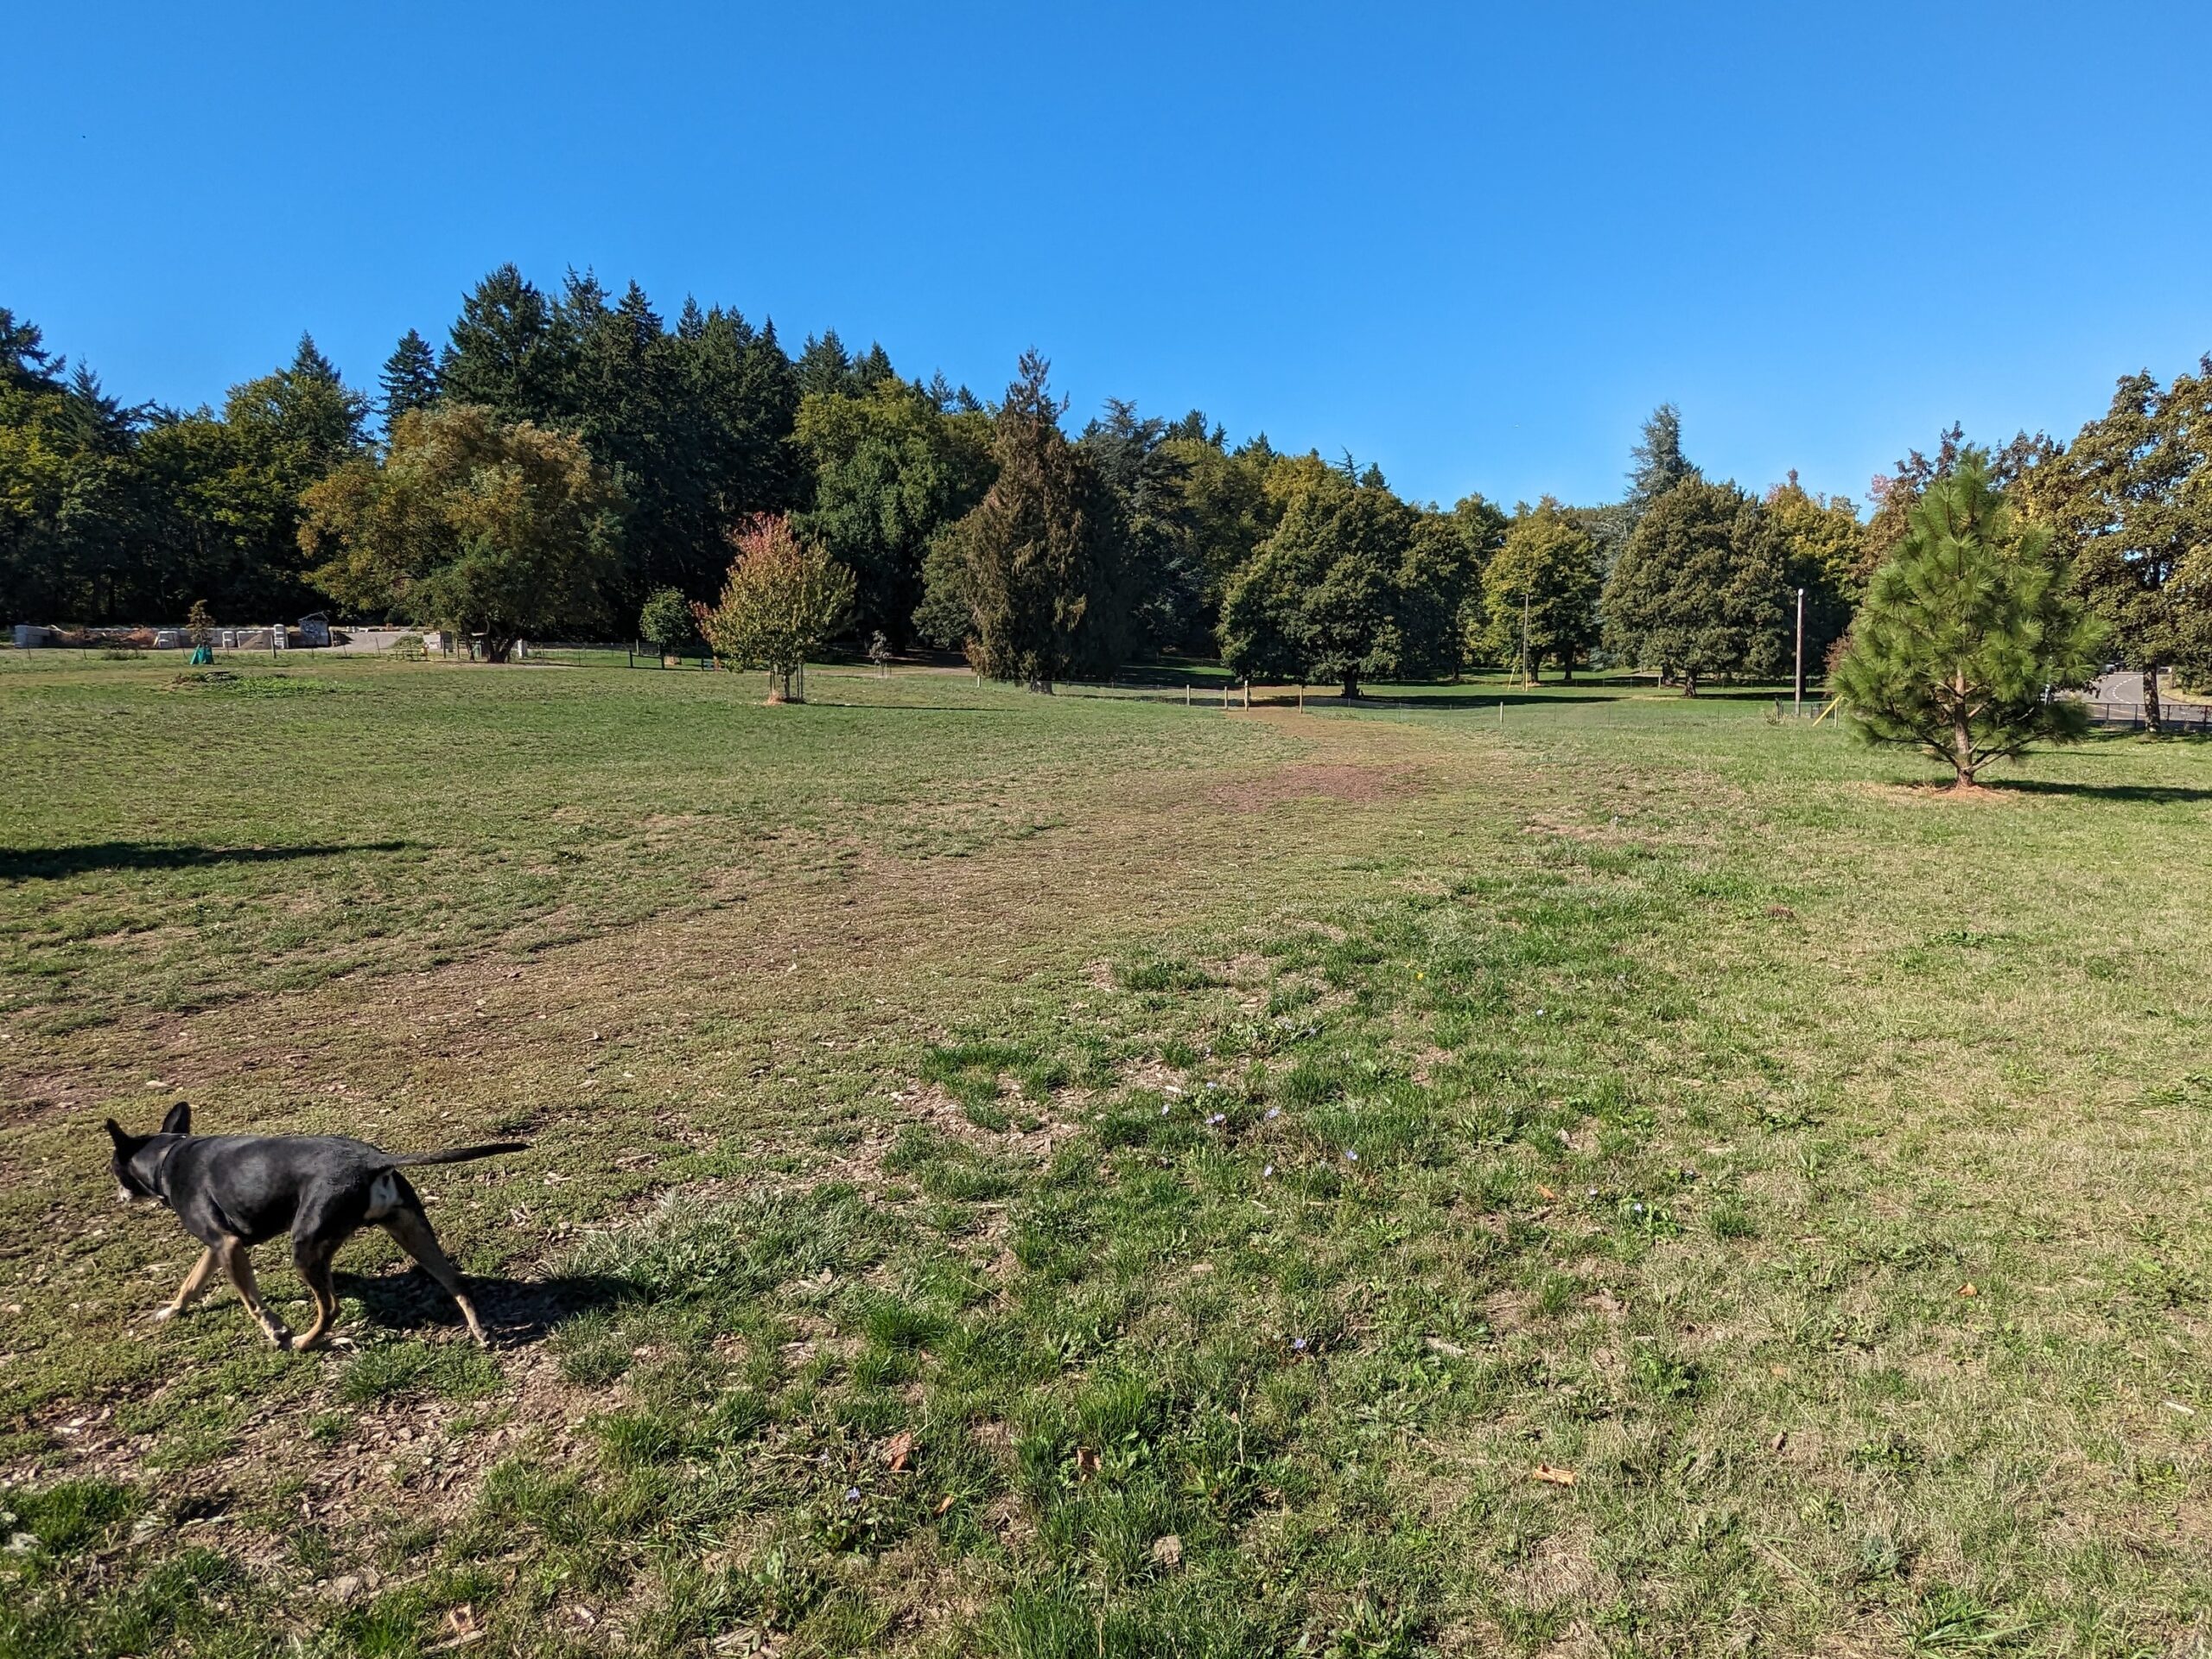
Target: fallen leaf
pixel 1552 1476
pixel 1169 1550
pixel 1967 1289
pixel 945 1503
pixel 1452 1350
pixel 1086 1463
pixel 1545 1193
pixel 900 1449
pixel 1780 1441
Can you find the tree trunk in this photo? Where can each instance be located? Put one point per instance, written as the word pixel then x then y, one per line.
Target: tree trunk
pixel 1961 742
pixel 1042 688
pixel 1351 687
pixel 1689 683
pixel 1566 672
pixel 497 648
pixel 2153 717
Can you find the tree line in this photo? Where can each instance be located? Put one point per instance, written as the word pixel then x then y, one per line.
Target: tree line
pixel 565 457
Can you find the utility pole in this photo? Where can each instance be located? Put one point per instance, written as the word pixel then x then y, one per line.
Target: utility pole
pixel 1799 708
pixel 1525 680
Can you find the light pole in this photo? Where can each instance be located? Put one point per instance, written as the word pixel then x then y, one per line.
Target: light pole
pixel 1800 706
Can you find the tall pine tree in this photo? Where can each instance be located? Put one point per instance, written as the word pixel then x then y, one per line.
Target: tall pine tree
pixel 1037 568
pixel 409 379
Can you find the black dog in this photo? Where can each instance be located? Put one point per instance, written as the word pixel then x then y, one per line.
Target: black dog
pixel 233 1191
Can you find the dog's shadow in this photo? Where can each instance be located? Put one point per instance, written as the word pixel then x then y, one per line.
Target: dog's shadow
pixel 516 1312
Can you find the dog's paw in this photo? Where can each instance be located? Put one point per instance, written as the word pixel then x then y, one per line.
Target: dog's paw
pixel 163 1315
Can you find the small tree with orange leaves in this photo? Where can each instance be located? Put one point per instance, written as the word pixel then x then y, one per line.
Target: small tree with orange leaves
pixel 782 601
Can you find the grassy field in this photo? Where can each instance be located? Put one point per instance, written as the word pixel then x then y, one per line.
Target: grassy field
pixel 1087 1177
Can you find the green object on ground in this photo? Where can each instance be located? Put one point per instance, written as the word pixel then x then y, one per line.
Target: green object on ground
pixel 202 655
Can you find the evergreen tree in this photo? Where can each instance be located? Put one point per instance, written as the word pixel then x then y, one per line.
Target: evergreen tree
pixel 506 353
pixel 892 470
pixel 1659 463
pixel 1167 570
pixel 409 379
pixel 1036 569
pixel 1321 601
pixel 825 368
pixel 2131 501
pixel 1541 593
pixel 1966 630
pixel 1699 589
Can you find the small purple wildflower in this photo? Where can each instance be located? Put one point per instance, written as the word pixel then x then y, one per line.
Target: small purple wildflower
pixel 1350 1157
pixel 1273 1112
pixel 1298 1345
pixel 852 1494
pixel 1269 1171
pixel 1164 1108
pixel 1214 1118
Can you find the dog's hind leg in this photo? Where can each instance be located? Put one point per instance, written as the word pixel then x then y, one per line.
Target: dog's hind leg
pixel 195 1286
pixel 238 1265
pixel 413 1233
pixel 312 1257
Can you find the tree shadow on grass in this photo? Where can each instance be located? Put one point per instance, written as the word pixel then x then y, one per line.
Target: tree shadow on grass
pixel 2140 794
pixel 514 1311
pixel 54 863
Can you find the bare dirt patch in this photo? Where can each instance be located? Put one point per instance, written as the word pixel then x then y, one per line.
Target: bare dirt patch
pixel 1323 780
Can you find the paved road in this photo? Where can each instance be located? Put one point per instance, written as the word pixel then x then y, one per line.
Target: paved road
pixel 2121 694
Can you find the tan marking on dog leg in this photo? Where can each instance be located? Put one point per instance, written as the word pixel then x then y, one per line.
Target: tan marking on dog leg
pixel 238 1264
pixel 316 1271
pixel 194 1286
pixel 414 1235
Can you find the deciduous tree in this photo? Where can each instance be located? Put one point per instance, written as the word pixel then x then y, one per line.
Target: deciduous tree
pixel 892 469
pixel 495 529
pixel 2131 500
pixel 1540 592
pixel 783 600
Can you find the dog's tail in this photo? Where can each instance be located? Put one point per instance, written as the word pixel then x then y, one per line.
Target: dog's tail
pixel 458 1155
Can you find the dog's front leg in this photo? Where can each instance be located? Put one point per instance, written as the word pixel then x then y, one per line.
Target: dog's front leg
pixel 239 1266
pixel 193 1287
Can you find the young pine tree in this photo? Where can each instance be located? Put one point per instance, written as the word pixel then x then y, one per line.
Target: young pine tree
pixel 1966 631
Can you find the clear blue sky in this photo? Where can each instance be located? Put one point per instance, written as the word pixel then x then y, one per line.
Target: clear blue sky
pixel 1474 243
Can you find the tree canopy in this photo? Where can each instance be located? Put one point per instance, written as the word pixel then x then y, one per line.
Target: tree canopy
pixel 2130 501
pixel 1698 591
pixel 498 529
pixel 1324 598
pixel 1544 580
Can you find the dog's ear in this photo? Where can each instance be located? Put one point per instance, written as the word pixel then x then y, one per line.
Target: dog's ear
pixel 123 1142
pixel 178 1120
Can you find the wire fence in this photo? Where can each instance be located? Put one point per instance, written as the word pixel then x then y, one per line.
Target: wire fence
pixel 2194 718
